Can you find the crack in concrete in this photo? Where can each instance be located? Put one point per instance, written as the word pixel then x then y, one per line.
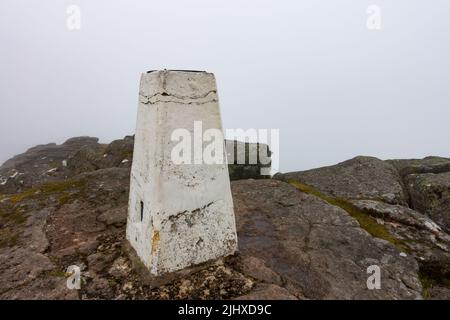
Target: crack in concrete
pixel 187 214
pixel 159 97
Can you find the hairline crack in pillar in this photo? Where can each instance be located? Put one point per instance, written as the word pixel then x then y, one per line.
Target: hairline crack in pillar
pixel 179 215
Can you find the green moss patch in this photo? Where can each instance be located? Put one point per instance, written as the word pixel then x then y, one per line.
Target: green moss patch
pixel 9 237
pixel 127 154
pixel 365 220
pixel 55 164
pixel 431 278
pixel 13 211
pixel 58 273
pixel 11 220
pixel 63 188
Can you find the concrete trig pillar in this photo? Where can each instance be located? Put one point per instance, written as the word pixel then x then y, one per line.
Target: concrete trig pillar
pixel 179 215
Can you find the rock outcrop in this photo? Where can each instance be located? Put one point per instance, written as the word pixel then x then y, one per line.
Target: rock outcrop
pixel 118 153
pixel 414 233
pixel 358 178
pixel 313 249
pixel 52 162
pixel 405 202
pixel 430 193
pixel 306 235
pixel 40 164
pixel 418 166
pixel 427 184
pixel 248 160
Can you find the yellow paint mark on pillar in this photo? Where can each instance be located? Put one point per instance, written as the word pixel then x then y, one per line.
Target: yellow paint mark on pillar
pixel 155 241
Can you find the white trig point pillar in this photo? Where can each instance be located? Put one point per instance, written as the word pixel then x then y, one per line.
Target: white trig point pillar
pixel 180 213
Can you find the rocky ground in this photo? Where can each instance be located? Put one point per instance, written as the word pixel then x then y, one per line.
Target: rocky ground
pixel 302 235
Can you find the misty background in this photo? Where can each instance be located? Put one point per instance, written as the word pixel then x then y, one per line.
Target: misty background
pixel 310 68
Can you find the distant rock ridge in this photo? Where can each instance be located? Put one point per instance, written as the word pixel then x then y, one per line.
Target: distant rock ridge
pixel 50 162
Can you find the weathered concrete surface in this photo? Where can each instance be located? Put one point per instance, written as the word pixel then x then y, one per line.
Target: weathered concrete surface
pixel 179 214
pixel 357 178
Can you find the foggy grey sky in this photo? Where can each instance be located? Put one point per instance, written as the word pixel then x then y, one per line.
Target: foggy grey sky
pixel 310 68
